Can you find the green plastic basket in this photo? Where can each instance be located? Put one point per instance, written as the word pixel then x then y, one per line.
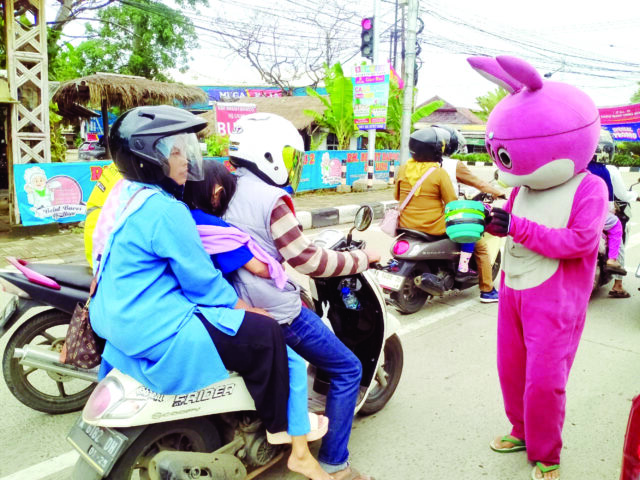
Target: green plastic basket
pixel 464 220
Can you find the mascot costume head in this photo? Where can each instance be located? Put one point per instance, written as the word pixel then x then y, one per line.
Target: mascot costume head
pixel 543 133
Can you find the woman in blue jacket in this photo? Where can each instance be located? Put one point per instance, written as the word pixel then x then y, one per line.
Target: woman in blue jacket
pixel 169 318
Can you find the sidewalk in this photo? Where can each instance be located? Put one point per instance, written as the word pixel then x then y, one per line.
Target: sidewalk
pixel 319 209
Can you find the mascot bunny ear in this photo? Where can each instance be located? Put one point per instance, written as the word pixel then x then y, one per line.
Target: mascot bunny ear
pixel 492 70
pixel 522 71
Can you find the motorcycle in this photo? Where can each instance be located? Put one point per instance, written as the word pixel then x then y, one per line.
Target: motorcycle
pixel 128 431
pixel 30 363
pixel 424 266
pixel 622 210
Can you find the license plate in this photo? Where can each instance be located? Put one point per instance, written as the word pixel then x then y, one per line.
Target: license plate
pixel 389 280
pixel 99 446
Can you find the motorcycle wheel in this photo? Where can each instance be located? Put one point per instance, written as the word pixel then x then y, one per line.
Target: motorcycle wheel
pixel 410 298
pixel 193 435
pixel 36 388
pixel 392 370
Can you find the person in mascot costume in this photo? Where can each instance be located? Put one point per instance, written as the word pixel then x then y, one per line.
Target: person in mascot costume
pixel 541 137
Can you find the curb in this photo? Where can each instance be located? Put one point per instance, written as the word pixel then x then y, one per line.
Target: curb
pixel 327 217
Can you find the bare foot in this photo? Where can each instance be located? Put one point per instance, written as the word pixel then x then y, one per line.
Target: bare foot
pixel 307 466
pixel 348 472
pixel 552 475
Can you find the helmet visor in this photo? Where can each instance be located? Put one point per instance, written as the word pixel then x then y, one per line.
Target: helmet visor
pixel 181 157
pixel 293 163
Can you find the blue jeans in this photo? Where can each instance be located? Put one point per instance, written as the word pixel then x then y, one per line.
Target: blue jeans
pixel 310 338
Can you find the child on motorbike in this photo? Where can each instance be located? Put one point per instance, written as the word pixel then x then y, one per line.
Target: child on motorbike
pixel 231 249
pixel 153 260
pixel 425 211
pixel 268 152
pixel 612 224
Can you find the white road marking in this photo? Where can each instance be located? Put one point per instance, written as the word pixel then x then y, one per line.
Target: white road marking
pixel 46 468
pixel 431 319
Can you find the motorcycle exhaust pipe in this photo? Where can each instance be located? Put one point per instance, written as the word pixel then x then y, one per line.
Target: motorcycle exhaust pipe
pixel 49 361
pixel 430 283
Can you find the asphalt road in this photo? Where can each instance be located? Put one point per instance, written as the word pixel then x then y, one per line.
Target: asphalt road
pixel 448 404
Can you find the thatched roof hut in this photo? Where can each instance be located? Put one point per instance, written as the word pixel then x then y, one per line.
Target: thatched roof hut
pixel 126 91
pixel 291 108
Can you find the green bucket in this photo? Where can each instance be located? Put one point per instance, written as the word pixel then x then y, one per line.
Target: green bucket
pixel 464 220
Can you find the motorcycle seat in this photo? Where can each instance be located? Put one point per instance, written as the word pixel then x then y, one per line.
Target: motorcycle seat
pixel 421 235
pixel 78 276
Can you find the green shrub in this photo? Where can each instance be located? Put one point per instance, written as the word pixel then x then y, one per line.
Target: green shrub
pixel 474 157
pixel 626 160
pixel 626 148
pixel 217 145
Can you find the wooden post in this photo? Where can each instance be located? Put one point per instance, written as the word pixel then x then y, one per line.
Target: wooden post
pixel 105 128
pixel 26 47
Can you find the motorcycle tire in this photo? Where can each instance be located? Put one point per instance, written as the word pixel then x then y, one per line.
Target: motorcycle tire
pixel 192 435
pixel 16 375
pixel 410 298
pixel 392 366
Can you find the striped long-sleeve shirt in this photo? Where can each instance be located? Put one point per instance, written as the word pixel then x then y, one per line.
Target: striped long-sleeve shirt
pixel 303 255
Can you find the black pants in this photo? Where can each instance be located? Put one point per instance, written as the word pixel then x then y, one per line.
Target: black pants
pixel 258 353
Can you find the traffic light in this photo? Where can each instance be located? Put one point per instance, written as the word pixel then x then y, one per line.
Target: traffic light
pixel 366 47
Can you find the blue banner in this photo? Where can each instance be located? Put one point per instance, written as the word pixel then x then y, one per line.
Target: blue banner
pixel 58 192
pixel 323 168
pixel 624 132
pixel 55 192
pixel 95 123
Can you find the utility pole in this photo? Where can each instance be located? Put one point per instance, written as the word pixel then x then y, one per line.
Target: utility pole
pixel 410 61
pixel 371 155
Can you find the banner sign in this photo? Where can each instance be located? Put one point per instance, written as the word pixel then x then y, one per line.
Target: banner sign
pixel 323 168
pixel 622 122
pixel 55 192
pixel 58 192
pixel 371 96
pixel 229 94
pixel 228 113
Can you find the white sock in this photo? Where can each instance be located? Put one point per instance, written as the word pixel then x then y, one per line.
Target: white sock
pixel 463 265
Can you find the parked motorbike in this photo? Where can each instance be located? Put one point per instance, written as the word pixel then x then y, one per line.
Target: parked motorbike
pixel 424 266
pixel 623 212
pixel 30 362
pixel 128 431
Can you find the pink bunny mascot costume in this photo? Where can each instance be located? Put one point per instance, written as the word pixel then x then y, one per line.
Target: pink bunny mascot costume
pixel 541 137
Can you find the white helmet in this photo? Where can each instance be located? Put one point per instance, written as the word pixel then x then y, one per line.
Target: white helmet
pixel 269 146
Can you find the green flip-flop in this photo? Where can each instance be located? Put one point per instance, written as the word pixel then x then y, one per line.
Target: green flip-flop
pixel 543 469
pixel 518 445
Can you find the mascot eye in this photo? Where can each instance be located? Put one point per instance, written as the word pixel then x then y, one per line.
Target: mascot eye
pixel 504 158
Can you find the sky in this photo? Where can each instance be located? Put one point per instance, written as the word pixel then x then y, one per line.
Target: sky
pixel 580 42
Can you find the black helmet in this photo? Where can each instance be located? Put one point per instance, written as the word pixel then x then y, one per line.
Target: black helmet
pixel 453 138
pixel 142 139
pixel 427 144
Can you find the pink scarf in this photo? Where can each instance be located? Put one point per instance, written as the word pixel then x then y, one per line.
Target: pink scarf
pixel 217 239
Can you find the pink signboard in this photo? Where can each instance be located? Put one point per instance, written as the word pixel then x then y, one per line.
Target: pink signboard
pixel 228 113
pixel 622 114
pixel 622 122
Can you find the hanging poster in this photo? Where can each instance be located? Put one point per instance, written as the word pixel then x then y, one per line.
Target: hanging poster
pixel 54 192
pixel 370 96
pixel 228 113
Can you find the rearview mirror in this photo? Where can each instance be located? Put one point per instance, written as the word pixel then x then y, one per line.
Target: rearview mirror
pixel 363 218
